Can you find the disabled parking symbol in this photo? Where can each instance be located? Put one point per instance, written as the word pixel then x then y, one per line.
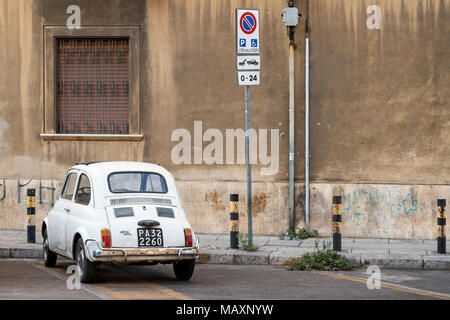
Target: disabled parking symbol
pixel 254 43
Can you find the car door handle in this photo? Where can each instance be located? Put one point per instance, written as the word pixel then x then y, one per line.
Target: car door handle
pixel 67 209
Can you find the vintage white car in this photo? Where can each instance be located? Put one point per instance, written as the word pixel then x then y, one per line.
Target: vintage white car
pixel 119 212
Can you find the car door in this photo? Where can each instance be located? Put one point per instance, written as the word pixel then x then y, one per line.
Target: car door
pixel 82 209
pixel 57 218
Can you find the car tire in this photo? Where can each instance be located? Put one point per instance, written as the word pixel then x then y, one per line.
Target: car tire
pixel 85 268
pixel 48 255
pixel 184 269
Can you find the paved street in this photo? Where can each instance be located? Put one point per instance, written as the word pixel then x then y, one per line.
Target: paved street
pixel 29 279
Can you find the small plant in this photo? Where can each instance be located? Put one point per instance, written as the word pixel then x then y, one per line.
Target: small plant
pixel 244 242
pixel 289 234
pixel 303 234
pixel 299 234
pixel 325 259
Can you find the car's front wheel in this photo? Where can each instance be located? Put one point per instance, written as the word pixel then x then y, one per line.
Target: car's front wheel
pixel 49 256
pixel 85 268
pixel 184 269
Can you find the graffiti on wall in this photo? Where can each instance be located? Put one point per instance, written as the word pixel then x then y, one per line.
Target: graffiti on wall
pixel 379 208
pixel 21 191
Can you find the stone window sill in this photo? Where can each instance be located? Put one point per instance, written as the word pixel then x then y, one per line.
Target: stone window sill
pixel 91 137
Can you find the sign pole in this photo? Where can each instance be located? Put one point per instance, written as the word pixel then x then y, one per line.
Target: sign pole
pixel 248 63
pixel 249 167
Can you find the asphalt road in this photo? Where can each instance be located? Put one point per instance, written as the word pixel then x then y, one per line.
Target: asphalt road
pixel 29 279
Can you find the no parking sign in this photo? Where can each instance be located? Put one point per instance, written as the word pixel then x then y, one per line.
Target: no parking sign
pixel 247 31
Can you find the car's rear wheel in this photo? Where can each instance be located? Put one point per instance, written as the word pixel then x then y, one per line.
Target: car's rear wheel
pixel 49 256
pixel 184 269
pixel 85 268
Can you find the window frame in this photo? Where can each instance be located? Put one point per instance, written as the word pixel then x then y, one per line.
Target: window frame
pixel 56 80
pixel 142 192
pixel 78 186
pixel 65 185
pixel 51 34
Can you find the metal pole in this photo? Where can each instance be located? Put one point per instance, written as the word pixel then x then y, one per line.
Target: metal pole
pixel 291 138
pixel 307 134
pixel 249 168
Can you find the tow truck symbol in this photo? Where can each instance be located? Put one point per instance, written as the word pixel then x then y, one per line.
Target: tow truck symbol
pixel 250 62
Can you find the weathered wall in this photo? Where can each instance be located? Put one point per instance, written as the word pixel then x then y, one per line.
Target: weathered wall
pixel 380 98
pixel 379 108
pixel 368 210
pixel 187 63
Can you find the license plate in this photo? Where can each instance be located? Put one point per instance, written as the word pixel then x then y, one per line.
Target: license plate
pixel 150 237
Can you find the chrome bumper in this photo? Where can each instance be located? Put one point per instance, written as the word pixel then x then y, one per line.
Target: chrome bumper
pixel 124 255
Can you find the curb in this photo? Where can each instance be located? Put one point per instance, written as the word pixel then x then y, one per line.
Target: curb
pixel 274 258
pixel 21 253
pixel 386 261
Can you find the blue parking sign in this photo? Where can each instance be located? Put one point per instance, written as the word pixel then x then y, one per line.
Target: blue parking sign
pixel 254 43
pixel 242 43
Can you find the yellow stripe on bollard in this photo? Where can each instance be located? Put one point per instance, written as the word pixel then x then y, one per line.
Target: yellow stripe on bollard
pixel 31 215
pixel 337 218
pixel 234 221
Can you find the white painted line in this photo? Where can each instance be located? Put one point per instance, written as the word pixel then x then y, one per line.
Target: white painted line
pixel 393 284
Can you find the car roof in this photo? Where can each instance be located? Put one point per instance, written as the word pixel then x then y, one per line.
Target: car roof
pixel 105 168
pixel 98 171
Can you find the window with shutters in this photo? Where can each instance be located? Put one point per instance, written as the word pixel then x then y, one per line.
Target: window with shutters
pixel 92 86
pixel 91 83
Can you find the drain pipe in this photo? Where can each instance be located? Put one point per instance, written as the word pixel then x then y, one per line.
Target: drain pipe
pixel 290 20
pixel 307 118
pixel 291 137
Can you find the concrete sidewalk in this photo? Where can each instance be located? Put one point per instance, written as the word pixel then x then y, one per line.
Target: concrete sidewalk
pixel 386 253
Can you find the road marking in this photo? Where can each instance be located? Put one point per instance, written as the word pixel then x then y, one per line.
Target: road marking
pixel 150 291
pixel 391 286
pixel 105 292
pixel 157 291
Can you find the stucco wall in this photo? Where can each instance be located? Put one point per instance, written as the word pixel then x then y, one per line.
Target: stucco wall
pixel 380 98
pixel 379 106
pixel 368 210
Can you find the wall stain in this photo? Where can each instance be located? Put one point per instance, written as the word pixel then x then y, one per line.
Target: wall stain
pixel 258 204
pixel 214 200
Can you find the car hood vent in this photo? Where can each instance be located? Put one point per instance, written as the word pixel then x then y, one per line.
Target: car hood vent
pixel 130 201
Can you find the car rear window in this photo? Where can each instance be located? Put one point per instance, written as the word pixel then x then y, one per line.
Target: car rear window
pixel 137 182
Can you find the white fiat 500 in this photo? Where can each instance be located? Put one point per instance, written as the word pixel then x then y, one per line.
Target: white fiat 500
pixel 119 212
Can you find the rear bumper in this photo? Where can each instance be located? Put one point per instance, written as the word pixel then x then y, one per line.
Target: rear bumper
pixel 130 255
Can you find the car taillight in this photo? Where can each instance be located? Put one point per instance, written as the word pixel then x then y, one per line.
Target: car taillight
pixel 188 237
pixel 106 238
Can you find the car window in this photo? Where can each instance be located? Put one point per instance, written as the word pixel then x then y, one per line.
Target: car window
pixel 132 182
pixel 83 195
pixel 69 186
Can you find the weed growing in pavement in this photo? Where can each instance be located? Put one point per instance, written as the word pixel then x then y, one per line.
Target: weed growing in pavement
pixel 244 242
pixel 300 233
pixel 321 259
